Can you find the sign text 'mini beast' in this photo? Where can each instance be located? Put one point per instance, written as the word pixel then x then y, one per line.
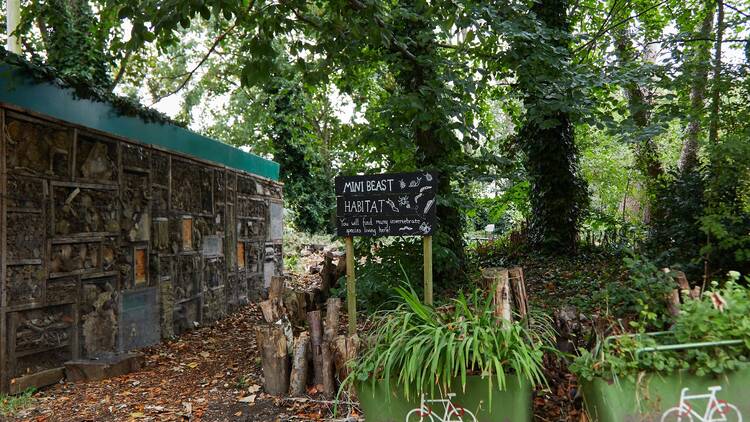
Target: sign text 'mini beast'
pixel 398 204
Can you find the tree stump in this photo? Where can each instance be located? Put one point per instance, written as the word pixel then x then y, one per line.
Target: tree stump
pixel 272 343
pixel 300 367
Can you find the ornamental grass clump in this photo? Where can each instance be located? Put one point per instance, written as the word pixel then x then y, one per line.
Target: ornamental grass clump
pixel 417 345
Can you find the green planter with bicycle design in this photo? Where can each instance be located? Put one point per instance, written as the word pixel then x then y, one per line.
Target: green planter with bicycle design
pixel 680 396
pixel 513 404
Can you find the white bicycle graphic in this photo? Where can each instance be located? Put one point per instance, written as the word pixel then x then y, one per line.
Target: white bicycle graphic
pixel 716 410
pixel 452 412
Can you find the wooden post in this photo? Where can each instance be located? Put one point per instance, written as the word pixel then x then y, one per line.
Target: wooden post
pixel 351 293
pixel 427 242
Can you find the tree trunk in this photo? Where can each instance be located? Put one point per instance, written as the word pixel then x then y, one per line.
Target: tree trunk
pixel 713 134
pixel 699 64
pixel 316 345
pixel 272 343
pixel 300 368
pixel 558 193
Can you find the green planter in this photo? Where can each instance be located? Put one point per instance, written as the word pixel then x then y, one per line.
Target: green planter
pixel 680 396
pixel 511 405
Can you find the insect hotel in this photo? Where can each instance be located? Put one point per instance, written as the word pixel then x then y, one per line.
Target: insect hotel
pixel 117 231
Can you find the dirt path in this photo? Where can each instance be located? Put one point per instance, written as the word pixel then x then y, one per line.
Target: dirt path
pixel 210 374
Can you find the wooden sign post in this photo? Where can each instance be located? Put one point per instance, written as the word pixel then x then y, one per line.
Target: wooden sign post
pixel 427 242
pixel 351 291
pixel 397 204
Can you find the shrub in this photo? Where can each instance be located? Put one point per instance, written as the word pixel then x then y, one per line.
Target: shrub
pixel 720 314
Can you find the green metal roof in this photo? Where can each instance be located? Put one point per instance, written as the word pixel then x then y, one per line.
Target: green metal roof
pixel 20 89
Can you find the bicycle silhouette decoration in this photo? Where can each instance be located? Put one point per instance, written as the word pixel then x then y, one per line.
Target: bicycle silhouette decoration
pixel 716 410
pixel 452 412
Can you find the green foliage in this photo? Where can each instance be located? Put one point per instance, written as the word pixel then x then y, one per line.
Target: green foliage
pixel 645 293
pixel 720 314
pixel 417 345
pixel 386 263
pixel 9 405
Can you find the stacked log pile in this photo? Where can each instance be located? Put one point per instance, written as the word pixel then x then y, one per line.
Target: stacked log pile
pixel 316 357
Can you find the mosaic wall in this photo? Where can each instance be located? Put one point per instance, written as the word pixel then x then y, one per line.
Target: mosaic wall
pixel 111 245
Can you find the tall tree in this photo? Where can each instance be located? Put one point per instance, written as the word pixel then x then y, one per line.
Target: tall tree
pixel 697 67
pixel 559 194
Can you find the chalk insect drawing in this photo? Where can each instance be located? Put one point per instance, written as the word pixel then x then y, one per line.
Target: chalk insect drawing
pixel 404 201
pixel 421 193
pixel 716 410
pixel 425 227
pixel 452 412
pixel 402 184
pixel 416 182
pixel 392 204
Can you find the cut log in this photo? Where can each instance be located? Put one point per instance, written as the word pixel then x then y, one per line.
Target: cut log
pixel 298 379
pixel 673 305
pixel 696 292
pixel 296 306
pixel 333 311
pixel 329 382
pixel 501 297
pixel 273 310
pixel 272 343
pixel 518 286
pixel 682 280
pixel 316 344
pixel 346 349
pixel 327 274
pixel 276 289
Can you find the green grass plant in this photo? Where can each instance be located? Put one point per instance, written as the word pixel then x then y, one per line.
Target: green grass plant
pixel 417 345
pixel 10 404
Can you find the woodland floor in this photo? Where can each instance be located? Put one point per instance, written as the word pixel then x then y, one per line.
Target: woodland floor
pixel 214 374
pixel 209 374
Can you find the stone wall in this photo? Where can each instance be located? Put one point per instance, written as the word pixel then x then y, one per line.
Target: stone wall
pixel 109 245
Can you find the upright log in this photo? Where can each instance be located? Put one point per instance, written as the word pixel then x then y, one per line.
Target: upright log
pixel 502 296
pixel 316 345
pixel 333 312
pixel 298 379
pixel 345 348
pixel 276 289
pixel 518 285
pixel 272 343
pixel 329 382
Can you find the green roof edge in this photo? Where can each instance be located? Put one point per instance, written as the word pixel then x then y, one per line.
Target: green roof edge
pixel 20 89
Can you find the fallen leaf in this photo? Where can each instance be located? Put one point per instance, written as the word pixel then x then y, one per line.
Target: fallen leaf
pixel 136 415
pixel 205 354
pixel 238 414
pixel 192 365
pixel 248 399
pixel 253 388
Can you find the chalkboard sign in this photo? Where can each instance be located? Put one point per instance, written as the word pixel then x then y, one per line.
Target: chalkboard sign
pixel 398 204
